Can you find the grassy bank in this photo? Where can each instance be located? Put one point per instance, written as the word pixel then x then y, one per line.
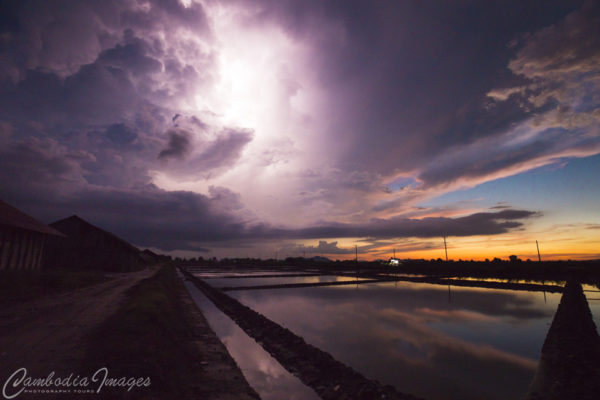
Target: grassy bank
pixel 18 286
pixel 153 335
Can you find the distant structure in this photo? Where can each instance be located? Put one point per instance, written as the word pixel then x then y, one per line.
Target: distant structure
pixel 90 247
pixel 394 262
pixel 22 239
pixel 149 256
pixel 445 248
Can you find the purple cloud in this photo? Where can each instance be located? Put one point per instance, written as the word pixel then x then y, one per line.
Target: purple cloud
pixel 287 119
pixel 178 147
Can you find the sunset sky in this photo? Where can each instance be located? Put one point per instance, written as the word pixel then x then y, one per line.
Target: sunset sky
pixel 254 128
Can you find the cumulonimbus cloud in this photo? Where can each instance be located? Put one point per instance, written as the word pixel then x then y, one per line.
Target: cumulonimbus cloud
pixel 178 146
pixel 89 91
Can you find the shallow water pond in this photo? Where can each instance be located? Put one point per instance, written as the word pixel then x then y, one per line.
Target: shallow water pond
pixel 282 280
pixel 434 341
pixel 270 380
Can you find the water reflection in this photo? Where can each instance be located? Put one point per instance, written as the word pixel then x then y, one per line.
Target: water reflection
pixel 482 344
pixel 204 274
pixel 270 380
pixel 259 281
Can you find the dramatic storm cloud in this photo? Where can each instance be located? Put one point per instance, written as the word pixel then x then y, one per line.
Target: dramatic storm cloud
pixel 228 121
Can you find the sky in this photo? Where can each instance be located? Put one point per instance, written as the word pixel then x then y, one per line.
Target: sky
pixel 231 128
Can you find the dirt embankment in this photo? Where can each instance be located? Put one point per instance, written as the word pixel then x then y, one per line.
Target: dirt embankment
pixel 378 278
pixel 569 366
pixel 158 332
pixel 328 377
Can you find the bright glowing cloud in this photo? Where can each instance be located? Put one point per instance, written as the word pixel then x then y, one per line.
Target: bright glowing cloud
pixel 302 124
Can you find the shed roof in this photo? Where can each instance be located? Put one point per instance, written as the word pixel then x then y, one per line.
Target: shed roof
pixel 14 218
pixel 70 227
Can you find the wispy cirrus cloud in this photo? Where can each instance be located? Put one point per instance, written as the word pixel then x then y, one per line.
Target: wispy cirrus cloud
pixel 560 67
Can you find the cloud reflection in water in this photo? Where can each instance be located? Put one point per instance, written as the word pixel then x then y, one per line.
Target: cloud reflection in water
pixel 484 343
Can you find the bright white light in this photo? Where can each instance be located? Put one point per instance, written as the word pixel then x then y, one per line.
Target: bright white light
pixel 254 77
pixel 259 78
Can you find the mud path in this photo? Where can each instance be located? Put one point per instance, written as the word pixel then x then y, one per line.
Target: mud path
pixel 49 334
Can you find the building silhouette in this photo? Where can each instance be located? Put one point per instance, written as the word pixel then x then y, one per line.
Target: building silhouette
pixel 23 239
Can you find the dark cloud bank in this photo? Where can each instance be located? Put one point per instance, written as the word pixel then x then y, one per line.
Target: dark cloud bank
pixel 89 89
pixel 171 220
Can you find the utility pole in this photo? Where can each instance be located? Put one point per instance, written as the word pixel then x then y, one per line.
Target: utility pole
pixel 538 249
pixel 394 253
pixel 356 261
pixel 446 248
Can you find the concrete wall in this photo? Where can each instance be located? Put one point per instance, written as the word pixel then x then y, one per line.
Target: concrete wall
pixel 21 249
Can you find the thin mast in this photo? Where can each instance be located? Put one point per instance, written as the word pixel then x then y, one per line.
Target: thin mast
pixel 446 248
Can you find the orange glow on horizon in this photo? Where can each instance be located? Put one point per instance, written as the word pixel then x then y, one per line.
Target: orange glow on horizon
pixel 561 243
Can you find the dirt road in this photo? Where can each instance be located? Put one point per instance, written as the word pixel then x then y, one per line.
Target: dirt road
pixel 49 334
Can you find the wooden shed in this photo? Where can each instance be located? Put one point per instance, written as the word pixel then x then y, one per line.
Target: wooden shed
pixel 90 247
pixel 22 239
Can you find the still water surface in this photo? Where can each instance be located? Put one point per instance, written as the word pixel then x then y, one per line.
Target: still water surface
pixel 433 341
pixel 270 380
pixel 260 281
